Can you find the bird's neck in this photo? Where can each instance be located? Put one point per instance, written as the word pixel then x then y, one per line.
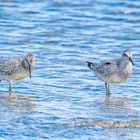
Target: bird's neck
pixel 124 62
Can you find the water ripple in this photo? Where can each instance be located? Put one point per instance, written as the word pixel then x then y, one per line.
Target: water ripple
pixel 63 91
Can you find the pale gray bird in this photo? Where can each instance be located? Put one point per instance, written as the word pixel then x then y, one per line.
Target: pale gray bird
pixel 113 71
pixel 14 69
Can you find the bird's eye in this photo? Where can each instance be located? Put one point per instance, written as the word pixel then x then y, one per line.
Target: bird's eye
pixel 125 54
pixel 107 63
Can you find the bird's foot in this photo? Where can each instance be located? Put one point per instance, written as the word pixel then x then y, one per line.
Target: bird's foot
pixel 108 97
pixel 108 93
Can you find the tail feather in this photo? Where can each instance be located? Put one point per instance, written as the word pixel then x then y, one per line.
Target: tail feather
pixel 90 65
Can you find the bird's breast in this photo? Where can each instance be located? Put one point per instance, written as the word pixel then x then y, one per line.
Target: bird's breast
pixel 121 76
pixel 19 75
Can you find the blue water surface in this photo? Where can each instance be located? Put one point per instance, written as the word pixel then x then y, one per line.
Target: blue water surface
pixel 63 34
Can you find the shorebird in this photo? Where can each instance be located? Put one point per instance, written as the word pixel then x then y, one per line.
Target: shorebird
pixel 14 69
pixel 113 71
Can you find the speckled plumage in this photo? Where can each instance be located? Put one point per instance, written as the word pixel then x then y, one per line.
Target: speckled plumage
pixel 18 68
pixel 113 71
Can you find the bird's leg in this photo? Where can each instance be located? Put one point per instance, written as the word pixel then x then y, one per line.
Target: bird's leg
pixel 109 90
pixel 10 86
pixel 107 86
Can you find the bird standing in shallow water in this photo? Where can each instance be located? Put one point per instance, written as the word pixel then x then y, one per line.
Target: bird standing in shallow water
pixel 113 71
pixel 17 68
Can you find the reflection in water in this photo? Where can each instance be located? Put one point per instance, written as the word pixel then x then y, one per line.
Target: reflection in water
pixel 62 37
pixel 116 106
pixel 16 100
pixel 117 101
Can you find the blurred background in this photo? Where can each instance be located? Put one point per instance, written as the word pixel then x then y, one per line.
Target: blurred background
pixel 63 35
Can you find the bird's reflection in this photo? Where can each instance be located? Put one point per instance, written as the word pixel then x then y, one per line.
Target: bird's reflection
pixel 17 100
pixel 117 101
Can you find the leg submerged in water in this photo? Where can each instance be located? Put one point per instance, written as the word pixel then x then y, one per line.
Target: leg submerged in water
pixel 10 86
pixel 108 91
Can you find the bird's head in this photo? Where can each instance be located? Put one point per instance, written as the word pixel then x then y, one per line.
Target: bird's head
pixel 29 62
pixel 128 54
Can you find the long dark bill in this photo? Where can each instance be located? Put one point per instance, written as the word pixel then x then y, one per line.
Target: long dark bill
pixel 90 64
pixel 130 59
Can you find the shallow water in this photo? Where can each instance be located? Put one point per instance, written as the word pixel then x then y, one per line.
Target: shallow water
pixel 63 91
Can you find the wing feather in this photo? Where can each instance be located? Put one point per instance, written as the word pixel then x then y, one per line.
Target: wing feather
pixel 9 66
